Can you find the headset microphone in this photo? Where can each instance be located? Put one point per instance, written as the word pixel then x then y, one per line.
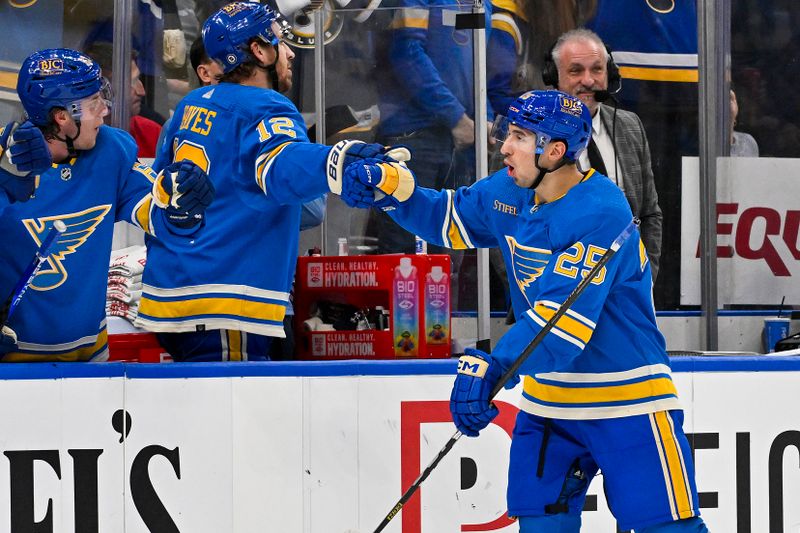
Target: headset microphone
pixel 602 95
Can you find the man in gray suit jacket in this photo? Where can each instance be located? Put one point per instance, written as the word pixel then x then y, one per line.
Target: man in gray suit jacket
pixel 580 65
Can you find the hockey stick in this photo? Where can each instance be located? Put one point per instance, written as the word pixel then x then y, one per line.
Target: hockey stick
pixel 512 370
pixel 30 272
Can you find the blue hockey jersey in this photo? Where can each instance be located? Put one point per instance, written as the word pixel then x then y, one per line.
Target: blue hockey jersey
pixel 62 315
pixel 430 79
pixel 236 274
pixel 605 358
pixel 662 48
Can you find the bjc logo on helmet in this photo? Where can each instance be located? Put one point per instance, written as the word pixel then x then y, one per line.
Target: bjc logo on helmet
pixel 53 65
pixel 774 227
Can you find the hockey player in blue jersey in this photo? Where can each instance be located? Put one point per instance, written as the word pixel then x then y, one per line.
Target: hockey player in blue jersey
pixel 597 391
pixel 93 181
pixel 222 296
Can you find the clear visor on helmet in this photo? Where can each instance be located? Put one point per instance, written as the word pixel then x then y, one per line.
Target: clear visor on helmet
pixel 97 105
pixel 502 129
pixel 279 28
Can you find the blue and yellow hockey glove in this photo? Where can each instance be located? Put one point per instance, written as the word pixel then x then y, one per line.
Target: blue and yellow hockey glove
pixel 477 374
pixel 383 185
pixel 345 153
pixel 184 191
pixel 23 156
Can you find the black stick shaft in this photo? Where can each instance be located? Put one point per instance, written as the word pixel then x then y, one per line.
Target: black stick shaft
pixel 564 307
pixel 508 374
pixel 31 270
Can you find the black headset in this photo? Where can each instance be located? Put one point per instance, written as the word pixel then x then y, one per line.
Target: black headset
pixel 550 71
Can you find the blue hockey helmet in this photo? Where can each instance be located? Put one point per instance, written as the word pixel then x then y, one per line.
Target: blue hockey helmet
pixel 227 32
pixel 553 116
pixel 57 77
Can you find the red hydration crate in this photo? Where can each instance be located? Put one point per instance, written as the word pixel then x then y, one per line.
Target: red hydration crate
pixel 412 290
pixel 135 347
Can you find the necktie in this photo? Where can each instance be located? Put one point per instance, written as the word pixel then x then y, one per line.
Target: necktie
pixel 595 159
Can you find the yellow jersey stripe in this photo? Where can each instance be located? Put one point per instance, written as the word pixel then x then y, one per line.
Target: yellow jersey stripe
pixel 405 23
pixel 500 24
pixel 642 255
pixel 510 6
pixel 610 393
pixel 659 74
pixel 456 242
pixel 263 169
pixel 664 470
pixel 675 464
pixel 689 510
pixel 459 239
pixel 566 323
pixel 8 79
pixel 446 223
pixel 212 306
pixel 234 345
pixel 570 312
pixel 261 162
pixel 141 214
pixel 81 354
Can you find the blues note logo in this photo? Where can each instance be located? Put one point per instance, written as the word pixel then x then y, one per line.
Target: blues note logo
pixel 80 227
pixel 529 263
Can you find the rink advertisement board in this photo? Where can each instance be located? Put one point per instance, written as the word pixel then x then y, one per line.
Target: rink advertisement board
pixel 758 225
pixel 329 448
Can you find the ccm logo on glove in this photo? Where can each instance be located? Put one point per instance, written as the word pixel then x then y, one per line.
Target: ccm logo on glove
pixel 472 366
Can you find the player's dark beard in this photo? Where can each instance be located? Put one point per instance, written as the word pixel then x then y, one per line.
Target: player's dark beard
pixel 272 69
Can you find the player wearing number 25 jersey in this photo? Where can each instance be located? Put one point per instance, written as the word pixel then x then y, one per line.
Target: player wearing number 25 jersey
pixel 221 295
pixel 597 392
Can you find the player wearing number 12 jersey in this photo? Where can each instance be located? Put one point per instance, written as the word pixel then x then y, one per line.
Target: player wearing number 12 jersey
pixel 222 295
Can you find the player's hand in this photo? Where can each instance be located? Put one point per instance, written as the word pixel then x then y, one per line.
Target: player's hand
pixel 8 340
pixel 363 179
pixel 477 374
pixel 344 153
pixel 184 191
pixel 24 150
pixel 23 156
pixel 463 133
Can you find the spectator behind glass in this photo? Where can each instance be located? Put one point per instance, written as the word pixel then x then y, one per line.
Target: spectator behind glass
pixel 742 144
pixel 618 147
pixel 519 40
pixel 144 131
pixel 426 104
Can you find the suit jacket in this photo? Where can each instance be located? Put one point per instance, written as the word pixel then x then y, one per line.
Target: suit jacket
pixel 635 167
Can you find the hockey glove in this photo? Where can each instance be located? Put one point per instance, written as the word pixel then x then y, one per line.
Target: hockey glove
pixel 23 156
pixel 344 153
pixel 469 400
pixel 8 340
pixel 370 180
pixel 184 191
